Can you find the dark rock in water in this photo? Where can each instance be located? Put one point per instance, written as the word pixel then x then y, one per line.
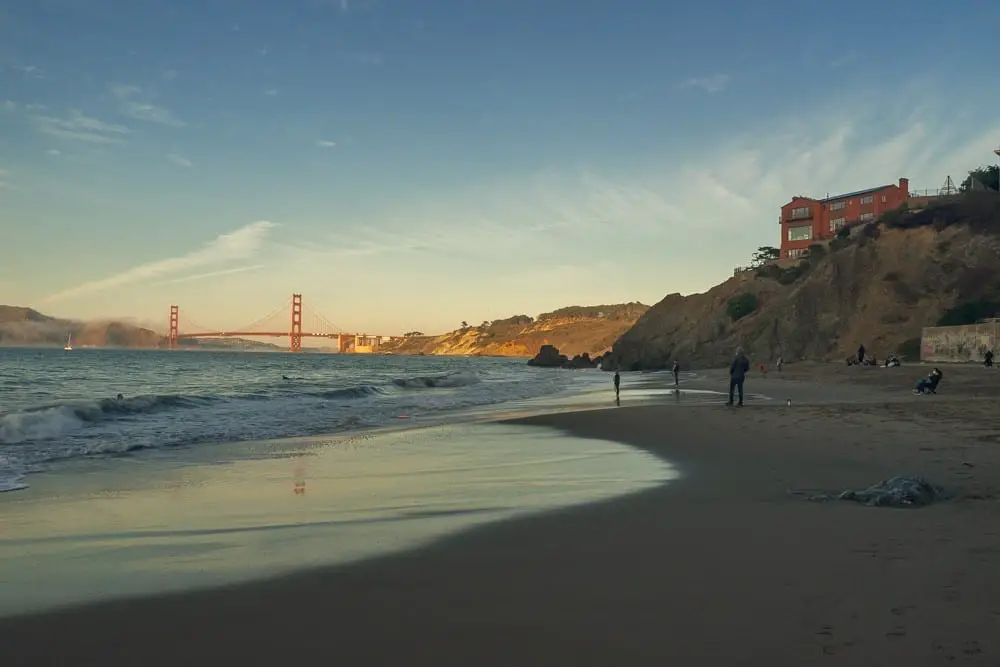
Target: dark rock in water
pixel 548 357
pixel 580 361
pixel 899 491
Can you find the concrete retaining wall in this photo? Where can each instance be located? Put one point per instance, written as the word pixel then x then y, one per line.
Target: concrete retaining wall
pixel 959 344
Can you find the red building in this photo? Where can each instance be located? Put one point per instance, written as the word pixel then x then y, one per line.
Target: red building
pixel 805 220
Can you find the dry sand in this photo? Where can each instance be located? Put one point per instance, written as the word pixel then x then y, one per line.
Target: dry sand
pixel 730 565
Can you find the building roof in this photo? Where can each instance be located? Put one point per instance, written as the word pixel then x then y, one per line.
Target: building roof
pixel 855 193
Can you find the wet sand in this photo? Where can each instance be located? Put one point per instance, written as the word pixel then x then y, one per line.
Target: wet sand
pixel 730 565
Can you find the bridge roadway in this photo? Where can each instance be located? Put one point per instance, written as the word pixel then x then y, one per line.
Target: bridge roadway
pixel 346 343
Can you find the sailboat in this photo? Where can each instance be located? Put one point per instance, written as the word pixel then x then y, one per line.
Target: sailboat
pixel 69 343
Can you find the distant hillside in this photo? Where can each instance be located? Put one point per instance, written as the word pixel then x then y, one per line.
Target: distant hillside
pixel 20 326
pixel 574 330
pixel 25 326
pixel 878 287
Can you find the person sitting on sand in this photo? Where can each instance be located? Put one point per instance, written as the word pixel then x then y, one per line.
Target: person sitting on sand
pixel 929 384
pixel 892 361
pixel 737 375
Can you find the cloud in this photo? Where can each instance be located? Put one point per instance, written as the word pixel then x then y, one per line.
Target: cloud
pixel 271 92
pixel 170 74
pixel 4 183
pixel 688 219
pixel 180 160
pixel 712 84
pixel 29 71
pixel 212 274
pixel 79 127
pixel 238 245
pixel 136 103
pixel 53 151
pixel 10 106
pixel 325 143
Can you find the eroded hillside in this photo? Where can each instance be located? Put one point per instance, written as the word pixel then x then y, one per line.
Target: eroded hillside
pixel 879 287
pixel 574 330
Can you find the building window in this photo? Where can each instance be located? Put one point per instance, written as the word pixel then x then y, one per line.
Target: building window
pixel 865 217
pixel 837 205
pixel 796 252
pixel 801 212
pixel 883 199
pixel 802 233
pixel 867 200
pixel 837 224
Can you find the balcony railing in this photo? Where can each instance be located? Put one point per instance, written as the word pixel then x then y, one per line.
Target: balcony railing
pixel 799 215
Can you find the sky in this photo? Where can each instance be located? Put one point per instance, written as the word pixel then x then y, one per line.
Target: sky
pixel 410 164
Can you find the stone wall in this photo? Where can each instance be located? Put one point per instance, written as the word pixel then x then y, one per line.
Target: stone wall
pixel 959 344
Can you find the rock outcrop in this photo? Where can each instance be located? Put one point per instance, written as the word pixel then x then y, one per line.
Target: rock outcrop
pixel 549 357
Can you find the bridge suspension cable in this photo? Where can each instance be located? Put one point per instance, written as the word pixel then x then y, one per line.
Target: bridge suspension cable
pixel 283 308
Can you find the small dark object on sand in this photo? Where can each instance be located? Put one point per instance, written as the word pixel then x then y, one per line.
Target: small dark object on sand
pixel 899 491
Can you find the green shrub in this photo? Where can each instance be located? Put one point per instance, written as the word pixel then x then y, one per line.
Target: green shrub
pixel 844 233
pixel 741 306
pixel 816 252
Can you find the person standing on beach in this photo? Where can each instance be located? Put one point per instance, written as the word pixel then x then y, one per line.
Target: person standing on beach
pixel 737 374
pixel 676 371
pixel 861 355
pixel 618 384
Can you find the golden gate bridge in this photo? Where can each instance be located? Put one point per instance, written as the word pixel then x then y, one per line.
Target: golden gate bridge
pixel 291 319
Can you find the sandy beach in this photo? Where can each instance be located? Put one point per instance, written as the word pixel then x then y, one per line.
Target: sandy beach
pixel 729 565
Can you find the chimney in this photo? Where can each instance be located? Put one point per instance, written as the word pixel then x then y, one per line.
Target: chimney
pixel 904 187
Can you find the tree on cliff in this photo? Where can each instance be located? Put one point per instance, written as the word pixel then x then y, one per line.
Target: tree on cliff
pixel 988 177
pixel 764 255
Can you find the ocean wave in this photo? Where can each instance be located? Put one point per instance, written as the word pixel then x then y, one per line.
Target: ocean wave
pixel 447 380
pixel 11 476
pixel 52 421
pixel 361 391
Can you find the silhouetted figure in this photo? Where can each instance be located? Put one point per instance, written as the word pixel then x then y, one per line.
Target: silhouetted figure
pixel 861 355
pixel 737 374
pixel 676 371
pixel 988 359
pixel 929 384
pixel 120 397
pixel 618 385
pixel 781 362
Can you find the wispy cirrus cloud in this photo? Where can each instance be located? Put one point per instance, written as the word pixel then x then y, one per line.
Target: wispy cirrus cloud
pixel 29 71
pixel 79 127
pixel 326 143
pixel 712 84
pixel 238 245
pixel 367 58
pixel 212 274
pixel 730 192
pixel 136 103
pixel 179 160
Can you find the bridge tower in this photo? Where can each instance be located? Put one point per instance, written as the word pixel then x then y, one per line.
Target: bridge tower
pixel 296 332
pixel 172 336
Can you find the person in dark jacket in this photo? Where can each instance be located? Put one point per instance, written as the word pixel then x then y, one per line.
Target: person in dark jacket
pixel 737 374
pixel 676 370
pixel 618 384
pixel 861 355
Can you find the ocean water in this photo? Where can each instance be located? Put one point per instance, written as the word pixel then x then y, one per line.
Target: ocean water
pixel 218 468
pixel 58 406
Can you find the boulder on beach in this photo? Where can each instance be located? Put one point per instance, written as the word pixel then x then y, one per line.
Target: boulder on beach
pixel 899 491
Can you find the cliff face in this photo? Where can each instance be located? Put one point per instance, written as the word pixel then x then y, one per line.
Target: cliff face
pixel 879 288
pixel 574 330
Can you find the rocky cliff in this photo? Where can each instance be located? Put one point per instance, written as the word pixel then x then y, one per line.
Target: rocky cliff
pixel 878 287
pixel 574 330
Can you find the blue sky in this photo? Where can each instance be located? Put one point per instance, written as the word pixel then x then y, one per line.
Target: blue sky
pixel 412 164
